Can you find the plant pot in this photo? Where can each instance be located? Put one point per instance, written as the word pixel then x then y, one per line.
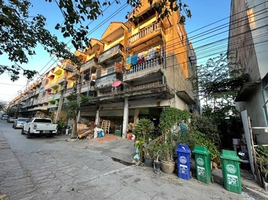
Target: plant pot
pixel 168 167
pixel 157 167
pixel 148 161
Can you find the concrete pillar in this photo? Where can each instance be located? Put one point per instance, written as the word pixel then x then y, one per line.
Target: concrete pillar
pixel 97 118
pixel 136 115
pixel 125 119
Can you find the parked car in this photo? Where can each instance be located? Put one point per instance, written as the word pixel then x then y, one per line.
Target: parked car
pixel 11 119
pixel 4 117
pixel 39 126
pixel 19 122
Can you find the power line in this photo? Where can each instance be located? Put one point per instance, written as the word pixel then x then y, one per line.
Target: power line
pixel 213 43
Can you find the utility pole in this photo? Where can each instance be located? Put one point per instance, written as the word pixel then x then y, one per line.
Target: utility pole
pixel 18 105
pixel 78 92
pixel 61 100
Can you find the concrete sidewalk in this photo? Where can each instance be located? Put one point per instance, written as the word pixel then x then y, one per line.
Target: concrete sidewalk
pixel 123 150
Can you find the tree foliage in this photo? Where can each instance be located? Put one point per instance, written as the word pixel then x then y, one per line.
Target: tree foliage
pixel 217 85
pixel 20 32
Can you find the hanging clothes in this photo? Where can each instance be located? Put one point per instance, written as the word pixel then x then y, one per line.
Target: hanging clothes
pixel 134 60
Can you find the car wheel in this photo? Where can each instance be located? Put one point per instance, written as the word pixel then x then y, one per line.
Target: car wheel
pixel 22 132
pixel 28 134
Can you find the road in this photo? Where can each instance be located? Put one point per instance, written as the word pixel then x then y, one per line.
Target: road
pixel 51 168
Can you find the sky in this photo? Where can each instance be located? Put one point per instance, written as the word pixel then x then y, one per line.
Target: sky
pixel 207 29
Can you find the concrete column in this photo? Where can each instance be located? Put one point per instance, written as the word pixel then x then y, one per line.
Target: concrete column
pixel 97 118
pixel 125 119
pixel 136 115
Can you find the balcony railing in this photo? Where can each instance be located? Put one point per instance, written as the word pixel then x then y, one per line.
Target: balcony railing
pixel 143 32
pixel 40 108
pixel 93 63
pixel 111 54
pixel 145 68
pixel 51 97
pixel 132 89
pixel 87 87
pixel 61 79
pixel 105 81
pixel 57 95
pixel 68 67
pixel 54 84
pixel 73 75
pixel 58 70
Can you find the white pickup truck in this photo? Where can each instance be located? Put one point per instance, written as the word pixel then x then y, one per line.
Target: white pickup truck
pixel 40 126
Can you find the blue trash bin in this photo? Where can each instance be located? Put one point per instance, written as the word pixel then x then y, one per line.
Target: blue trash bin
pixel 183 161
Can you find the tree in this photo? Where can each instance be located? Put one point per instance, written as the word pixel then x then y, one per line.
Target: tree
pixel 20 32
pixel 72 108
pixel 217 84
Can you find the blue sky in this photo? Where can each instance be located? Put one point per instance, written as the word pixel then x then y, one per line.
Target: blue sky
pixel 204 13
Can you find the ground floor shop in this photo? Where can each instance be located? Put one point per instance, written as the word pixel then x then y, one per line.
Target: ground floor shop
pixel 116 118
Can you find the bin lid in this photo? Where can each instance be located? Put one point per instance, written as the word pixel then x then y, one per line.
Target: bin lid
pixel 229 155
pixel 201 150
pixel 183 148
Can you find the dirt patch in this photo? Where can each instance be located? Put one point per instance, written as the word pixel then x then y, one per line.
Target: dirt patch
pixel 106 138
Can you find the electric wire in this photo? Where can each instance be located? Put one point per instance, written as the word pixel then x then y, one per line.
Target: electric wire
pixel 205 33
pixel 99 25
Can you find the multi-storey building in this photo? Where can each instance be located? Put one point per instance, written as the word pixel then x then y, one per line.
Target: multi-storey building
pixel 134 70
pixel 144 67
pixel 248 43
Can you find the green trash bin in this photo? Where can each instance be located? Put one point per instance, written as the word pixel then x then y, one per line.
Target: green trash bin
pixel 202 164
pixel 231 171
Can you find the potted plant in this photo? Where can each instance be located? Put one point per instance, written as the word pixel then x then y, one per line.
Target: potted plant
pixel 142 132
pixel 167 158
pixel 169 119
pixel 262 163
pixel 148 153
pixel 156 155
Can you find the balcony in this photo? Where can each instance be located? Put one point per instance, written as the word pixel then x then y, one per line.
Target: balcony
pixel 73 75
pixel 52 106
pixel 111 55
pixel 54 84
pixel 148 70
pixel 51 97
pixel 44 100
pixel 88 86
pixel 58 70
pixel 68 67
pixel 105 81
pixel 57 96
pixel 47 87
pixel 61 79
pixel 155 90
pixel 40 108
pixel 93 64
pixel 68 92
pixel 148 36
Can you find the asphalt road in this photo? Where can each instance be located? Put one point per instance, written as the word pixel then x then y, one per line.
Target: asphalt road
pixel 51 168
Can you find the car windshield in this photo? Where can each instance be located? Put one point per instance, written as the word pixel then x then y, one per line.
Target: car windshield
pixel 22 119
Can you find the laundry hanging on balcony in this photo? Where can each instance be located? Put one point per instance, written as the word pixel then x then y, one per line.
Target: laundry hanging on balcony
pixel 128 66
pixel 134 59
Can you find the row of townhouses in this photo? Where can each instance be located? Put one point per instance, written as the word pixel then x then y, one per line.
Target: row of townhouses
pixel 133 71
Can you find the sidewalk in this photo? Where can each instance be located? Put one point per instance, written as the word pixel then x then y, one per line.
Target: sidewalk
pixel 123 150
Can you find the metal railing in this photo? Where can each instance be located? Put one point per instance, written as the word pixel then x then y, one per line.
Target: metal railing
pixel 144 65
pixel 143 32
